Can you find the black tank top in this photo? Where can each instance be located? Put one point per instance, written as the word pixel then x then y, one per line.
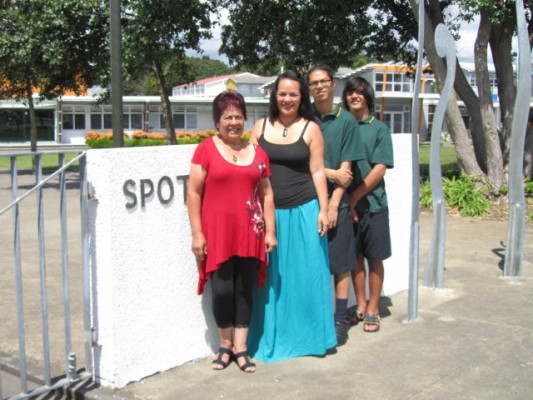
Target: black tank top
pixel 291 178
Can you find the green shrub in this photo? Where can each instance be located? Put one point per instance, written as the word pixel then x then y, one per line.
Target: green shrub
pixel 528 188
pixel 504 191
pixel 461 193
pixel 99 143
pixel 108 143
pixel 425 194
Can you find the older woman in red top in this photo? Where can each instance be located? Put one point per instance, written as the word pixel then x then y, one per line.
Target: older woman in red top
pixel 231 211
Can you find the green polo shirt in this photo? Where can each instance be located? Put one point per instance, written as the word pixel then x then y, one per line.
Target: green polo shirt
pixel 341 141
pixel 377 142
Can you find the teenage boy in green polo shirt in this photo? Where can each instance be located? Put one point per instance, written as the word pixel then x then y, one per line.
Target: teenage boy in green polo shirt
pixel 341 147
pixel 368 201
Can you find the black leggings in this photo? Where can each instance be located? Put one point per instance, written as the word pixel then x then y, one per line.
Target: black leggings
pixel 231 288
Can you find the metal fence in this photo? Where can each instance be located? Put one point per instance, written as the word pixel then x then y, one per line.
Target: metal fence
pixel 45 284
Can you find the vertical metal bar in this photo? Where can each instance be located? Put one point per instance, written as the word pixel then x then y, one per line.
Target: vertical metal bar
pixel 64 263
pixel 439 265
pixel 42 271
pixel 514 254
pixel 116 73
pixel 18 279
pixel 87 286
pixel 1 392
pixel 445 46
pixel 414 243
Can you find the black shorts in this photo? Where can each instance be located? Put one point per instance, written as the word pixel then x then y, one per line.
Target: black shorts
pixel 372 236
pixel 341 244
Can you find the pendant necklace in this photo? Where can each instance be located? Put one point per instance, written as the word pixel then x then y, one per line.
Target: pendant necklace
pixel 234 157
pixel 287 127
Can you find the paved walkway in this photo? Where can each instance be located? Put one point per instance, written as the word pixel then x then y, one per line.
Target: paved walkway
pixel 472 340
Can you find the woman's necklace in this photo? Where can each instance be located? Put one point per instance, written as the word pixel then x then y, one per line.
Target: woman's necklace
pixel 234 157
pixel 286 127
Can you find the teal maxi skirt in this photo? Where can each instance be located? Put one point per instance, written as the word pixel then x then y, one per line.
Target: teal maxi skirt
pixel 292 314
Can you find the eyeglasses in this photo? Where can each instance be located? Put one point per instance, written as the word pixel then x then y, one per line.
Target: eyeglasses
pixel 323 82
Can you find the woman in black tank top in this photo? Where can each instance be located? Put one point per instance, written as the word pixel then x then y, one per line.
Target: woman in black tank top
pixel 297 296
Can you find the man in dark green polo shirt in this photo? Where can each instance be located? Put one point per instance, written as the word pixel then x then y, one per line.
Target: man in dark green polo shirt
pixel 341 147
pixel 368 201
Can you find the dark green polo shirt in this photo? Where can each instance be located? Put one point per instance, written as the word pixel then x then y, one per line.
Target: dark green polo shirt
pixel 377 142
pixel 341 141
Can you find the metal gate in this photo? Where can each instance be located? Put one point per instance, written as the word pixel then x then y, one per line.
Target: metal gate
pixel 45 283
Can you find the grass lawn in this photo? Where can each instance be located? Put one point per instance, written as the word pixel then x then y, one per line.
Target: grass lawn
pixel 448 162
pixel 49 162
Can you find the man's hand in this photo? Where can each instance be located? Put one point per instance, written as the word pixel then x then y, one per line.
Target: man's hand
pixel 343 177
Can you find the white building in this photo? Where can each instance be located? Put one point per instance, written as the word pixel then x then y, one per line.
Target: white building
pixel 245 83
pixel 69 118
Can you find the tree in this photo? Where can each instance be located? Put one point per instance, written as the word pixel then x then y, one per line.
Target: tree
pixel 155 31
pixel 487 157
pixel 197 68
pixel 49 46
pixel 298 33
pixel 266 35
pixel 205 67
pixel 490 144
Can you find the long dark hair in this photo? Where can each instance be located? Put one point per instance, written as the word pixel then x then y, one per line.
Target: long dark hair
pixel 360 86
pixel 226 99
pixel 305 110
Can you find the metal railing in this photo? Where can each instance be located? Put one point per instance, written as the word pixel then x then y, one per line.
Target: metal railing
pixel 30 265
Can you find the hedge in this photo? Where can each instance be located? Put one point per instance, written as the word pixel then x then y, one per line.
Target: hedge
pixel 99 140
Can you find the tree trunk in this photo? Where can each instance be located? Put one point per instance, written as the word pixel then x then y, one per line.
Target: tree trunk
pixel 458 132
pixel 466 93
pixel 493 153
pixel 501 46
pixel 33 122
pixel 165 101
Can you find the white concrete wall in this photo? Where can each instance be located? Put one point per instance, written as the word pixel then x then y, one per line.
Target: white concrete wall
pixel 147 314
pixel 399 185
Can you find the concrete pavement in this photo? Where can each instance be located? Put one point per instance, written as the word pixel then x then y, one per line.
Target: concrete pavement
pixel 472 340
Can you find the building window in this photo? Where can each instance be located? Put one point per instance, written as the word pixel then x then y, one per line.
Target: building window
pixel 153 118
pixel 392 82
pixel 15 125
pixel 192 89
pixel 492 79
pixel 431 114
pixel 184 118
pixel 254 114
pixel 132 117
pixel 101 118
pixel 397 117
pixel 73 117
